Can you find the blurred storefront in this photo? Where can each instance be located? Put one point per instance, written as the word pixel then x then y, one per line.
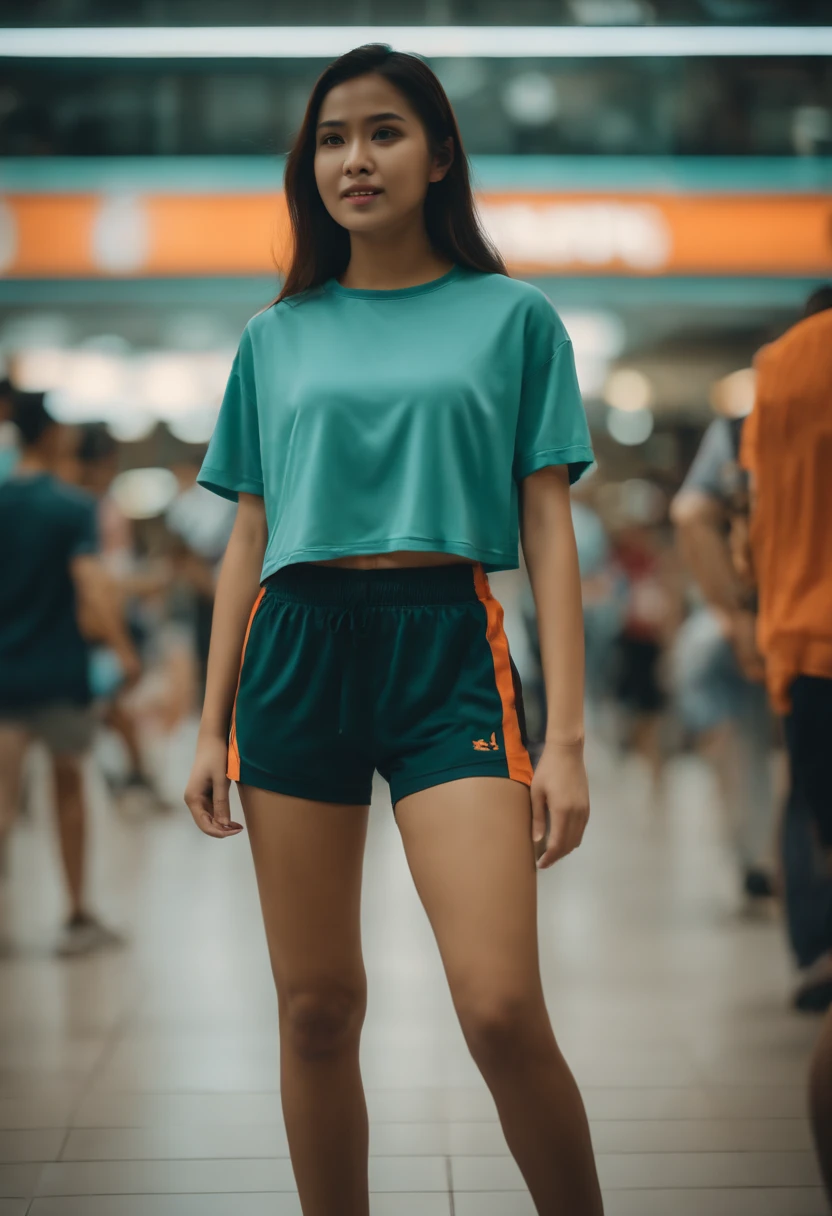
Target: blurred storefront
pixel 664 178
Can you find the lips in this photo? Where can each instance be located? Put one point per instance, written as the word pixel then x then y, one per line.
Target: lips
pixel 367 192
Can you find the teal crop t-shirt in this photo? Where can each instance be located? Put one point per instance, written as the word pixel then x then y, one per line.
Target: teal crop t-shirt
pixel 371 421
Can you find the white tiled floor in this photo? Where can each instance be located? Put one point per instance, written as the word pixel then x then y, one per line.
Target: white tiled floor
pixel 145 1084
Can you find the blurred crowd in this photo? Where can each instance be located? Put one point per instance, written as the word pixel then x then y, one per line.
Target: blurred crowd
pixel 707 613
pixel 104 627
pixel 671 663
pixel 708 626
pixel 105 620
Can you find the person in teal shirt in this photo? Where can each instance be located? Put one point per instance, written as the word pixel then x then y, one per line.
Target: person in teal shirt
pixel 52 592
pixel 432 405
pixel 394 424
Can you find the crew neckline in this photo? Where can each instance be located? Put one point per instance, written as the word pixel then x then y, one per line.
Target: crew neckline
pixel 396 293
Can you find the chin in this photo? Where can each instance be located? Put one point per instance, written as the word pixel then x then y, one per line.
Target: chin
pixel 360 223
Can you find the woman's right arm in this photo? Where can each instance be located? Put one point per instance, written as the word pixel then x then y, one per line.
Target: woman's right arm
pixel 237 588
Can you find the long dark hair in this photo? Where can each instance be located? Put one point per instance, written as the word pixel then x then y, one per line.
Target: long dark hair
pixel 321 247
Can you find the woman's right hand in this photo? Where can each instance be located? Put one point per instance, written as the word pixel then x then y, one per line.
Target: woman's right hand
pixel 206 794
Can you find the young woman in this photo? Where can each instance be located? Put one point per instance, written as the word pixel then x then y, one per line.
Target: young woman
pixel 385 423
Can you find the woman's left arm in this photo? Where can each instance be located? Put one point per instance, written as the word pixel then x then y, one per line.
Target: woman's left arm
pixel 552 562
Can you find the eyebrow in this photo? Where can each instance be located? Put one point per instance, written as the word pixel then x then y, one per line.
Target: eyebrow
pixel 339 122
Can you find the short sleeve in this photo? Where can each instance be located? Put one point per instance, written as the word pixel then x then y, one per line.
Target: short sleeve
pixel 707 473
pixel 83 529
pixel 551 426
pixel 232 462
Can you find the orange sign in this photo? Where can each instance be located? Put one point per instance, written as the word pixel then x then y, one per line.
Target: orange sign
pixel 59 236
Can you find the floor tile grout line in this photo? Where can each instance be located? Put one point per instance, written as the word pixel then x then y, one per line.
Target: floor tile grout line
pixel 111 1038
pixel 608 1190
pixel 215 1194
pixel 138 1127
pixel 487 1155
pixel 709 1118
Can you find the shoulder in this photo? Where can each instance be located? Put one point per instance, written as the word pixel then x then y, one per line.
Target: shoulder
pixel 278 313
pixel 800 340
pixel 280 318
pixel 539 315
pixel 71 499
pixel 66 504
pixel 261 324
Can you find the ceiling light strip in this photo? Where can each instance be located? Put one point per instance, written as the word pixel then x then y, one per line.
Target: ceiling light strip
pixel 431 41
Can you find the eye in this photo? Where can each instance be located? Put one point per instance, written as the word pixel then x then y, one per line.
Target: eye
pixel 327 138
pixel 386 131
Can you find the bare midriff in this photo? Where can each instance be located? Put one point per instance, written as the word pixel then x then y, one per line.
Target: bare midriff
pixel 402 557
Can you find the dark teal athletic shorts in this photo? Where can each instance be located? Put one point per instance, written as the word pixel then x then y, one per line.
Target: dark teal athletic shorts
pixel 346 671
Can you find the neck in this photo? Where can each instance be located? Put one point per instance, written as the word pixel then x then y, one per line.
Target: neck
pixel 387 261
pixel 32 462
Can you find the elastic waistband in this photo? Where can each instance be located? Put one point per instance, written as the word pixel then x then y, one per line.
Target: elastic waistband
pixel 337 586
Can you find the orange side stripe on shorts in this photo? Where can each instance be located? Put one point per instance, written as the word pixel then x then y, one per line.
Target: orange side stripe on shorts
pixel 519 764
pixel 233 773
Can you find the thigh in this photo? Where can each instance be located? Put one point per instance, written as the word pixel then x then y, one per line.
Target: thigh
pixel 469 848
pixel 308 859
pixel 67 730
pixel 286 728
pixel 14 739
pixel 448 697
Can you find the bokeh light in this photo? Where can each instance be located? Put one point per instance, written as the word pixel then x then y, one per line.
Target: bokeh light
pixel 630 428
pixel 628 389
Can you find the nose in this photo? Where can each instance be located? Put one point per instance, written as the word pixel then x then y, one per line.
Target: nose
pixel 357 158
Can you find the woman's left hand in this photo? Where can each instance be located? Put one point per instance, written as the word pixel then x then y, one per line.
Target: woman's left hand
pixel 560 784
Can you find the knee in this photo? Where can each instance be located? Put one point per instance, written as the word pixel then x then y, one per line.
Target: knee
pixel 322 1022
pixel 502 1029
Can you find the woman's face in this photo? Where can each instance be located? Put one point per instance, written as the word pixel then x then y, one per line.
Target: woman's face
pixel 368 138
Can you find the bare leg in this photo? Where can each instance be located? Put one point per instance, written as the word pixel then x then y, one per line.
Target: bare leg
pixel 308 857
pixel 720 747
pixel 647 741
pixel 124 724
pixel 72 826
pixel 13 743
pixel 469 848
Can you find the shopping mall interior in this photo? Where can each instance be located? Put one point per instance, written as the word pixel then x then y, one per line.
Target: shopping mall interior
pixel 662 171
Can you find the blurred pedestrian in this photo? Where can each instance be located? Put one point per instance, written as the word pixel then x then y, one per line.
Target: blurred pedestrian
pixel 719 671
pixel 602 600
pixel 787 448
pixel 649 619
pixel 53 594
pixel 200 523
pixel 98 465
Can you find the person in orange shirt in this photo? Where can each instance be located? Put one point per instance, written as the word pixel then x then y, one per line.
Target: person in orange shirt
pixel 787 449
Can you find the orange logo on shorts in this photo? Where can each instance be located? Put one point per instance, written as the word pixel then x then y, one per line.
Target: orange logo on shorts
pixel 480 745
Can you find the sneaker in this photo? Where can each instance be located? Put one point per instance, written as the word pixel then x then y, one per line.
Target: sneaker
pixel 137 780
pixel 83 934
pixel 758 884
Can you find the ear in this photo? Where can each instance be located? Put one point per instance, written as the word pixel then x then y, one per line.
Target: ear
pixel 443 160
